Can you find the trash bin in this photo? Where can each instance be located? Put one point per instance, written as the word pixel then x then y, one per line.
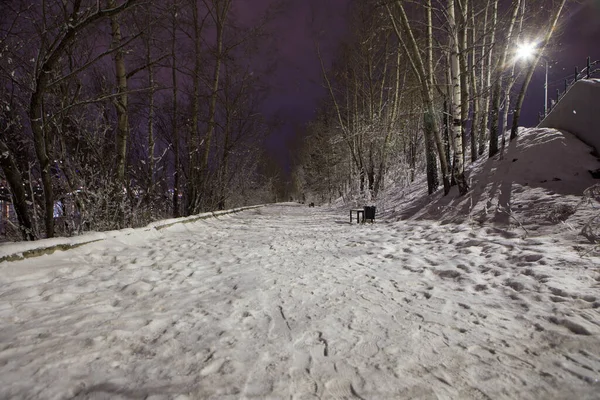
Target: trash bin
pixel 370 213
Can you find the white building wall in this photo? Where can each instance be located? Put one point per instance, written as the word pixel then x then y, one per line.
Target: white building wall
pixel 578 112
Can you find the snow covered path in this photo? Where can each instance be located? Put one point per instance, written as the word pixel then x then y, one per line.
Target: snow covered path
pixel 290 302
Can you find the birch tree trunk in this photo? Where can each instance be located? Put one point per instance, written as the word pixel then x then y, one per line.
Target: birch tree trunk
pixel 447 121
pixel 464 71
pixel 487 70
pixel 456 103
pixel 474 86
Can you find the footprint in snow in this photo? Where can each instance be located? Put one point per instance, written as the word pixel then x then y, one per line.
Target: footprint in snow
pixel 448 273
pixel 302 385
pixel 340 389
pixel 559 292
pixel 515 285
pixel 367 346
pixel 589 299
pixel 573 326
pixel 464 268
pixel 259 383
pixel 480 287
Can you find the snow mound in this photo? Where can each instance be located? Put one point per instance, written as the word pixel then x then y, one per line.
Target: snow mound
pixel 539 181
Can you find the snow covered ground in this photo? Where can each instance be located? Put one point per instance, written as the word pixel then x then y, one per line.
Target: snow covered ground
pixel 287 301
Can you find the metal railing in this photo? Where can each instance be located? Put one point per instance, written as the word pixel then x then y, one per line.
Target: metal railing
pixel 591 70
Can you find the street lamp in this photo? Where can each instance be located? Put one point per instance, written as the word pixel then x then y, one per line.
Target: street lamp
pixel 526 51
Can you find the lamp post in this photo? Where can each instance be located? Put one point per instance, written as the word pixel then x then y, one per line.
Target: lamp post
pixel 526 51
pixel 546 90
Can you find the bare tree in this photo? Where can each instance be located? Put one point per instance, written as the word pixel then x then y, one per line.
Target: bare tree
pixel 50 53
pixel 425 73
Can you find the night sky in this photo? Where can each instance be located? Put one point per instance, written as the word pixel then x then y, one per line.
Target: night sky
pixel 297 79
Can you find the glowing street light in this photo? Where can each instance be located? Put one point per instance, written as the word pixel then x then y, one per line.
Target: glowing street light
pixel 526 51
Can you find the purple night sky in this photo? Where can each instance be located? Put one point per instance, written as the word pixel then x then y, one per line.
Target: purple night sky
pixel 296 83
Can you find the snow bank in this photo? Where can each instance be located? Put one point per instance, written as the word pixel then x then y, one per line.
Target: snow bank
pixel 538 183
pixel 10 251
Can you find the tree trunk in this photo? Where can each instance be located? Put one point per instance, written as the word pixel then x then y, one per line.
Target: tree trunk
pixel 446 129
pixel 174 131
pixel 487 70
pixel 456 103
pixel 448 120
pixel 18 194
pixel 497 92
pixel 504 119
pixel 224 166
pixel 474 86
pixel 41 150
pixel 464 74
pixel 151 111
pixel 371 170
pixel 220 21
pixel 121 99
pixel 433 182
pixel 193 201
pixel 511 81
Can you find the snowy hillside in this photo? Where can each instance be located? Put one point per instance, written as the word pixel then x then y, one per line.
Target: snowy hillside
pixel 494 295
pixel 542 174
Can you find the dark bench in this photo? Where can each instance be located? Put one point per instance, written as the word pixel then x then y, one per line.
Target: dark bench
pixel 370 213
pixel 359 212
pixel 363 214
